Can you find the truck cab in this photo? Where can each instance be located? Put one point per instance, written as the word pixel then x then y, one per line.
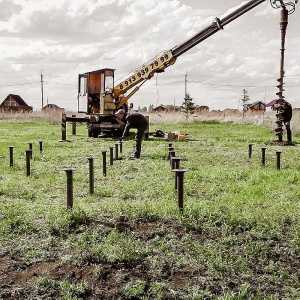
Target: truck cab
pixel 95 92
pixel 95 99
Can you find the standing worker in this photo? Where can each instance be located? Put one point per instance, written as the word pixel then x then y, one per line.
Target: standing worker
pixel 133 120
pixel 287 113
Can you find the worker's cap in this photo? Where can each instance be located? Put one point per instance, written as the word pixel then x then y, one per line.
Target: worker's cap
pixel 120 111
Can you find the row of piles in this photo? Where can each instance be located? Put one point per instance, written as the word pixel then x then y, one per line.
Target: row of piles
pixel 28 156
pixel 113 155
pixel 179 175
pixel 263 156
pixel 69 171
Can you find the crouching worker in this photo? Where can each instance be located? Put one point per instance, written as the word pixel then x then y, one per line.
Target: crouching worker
pixel 137 121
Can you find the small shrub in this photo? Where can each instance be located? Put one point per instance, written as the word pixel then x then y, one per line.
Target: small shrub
pixel 98 273
pixel 157 290
pixel 74 290
pixel 44 284
pixel 134 289
pixel 67 221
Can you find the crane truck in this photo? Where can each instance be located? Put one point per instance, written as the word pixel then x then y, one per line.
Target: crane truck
pixel 99 97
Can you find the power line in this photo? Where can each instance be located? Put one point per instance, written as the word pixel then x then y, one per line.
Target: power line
pixel 218 84
pixel 230 85
pixel 60 83
pixel 19 84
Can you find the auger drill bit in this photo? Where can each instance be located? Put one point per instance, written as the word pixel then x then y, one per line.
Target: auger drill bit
pixel 279 114
pixel 280 101
pixel 286 9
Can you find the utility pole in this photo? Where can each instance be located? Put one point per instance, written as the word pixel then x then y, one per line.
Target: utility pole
pixel 42 88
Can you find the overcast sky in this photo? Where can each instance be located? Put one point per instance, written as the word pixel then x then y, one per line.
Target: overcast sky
pixel 62 38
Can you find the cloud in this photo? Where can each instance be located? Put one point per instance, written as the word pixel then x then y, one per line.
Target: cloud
pixel 64 38
pixel 8 9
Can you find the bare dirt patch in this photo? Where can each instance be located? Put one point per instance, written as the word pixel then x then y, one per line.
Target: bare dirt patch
pixel 53 278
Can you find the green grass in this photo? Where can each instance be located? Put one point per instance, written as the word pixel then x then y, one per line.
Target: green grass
pixel 237 239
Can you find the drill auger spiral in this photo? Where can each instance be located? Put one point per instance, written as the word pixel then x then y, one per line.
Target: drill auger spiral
pixel 283 107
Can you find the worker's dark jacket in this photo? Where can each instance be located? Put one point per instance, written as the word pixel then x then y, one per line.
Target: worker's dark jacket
pixel 135 120
pixel 287 112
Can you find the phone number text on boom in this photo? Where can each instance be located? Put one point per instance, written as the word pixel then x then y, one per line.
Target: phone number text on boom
pixel 144 71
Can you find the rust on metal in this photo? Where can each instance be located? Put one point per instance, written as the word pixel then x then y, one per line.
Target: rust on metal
pixel 283 27
pixel 179 175
pixel 28 157
pixel 63 127
pixel 69 172
pixel 91 174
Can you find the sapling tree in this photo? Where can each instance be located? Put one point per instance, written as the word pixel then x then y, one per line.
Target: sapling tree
pixel 188 106
pixel 245 99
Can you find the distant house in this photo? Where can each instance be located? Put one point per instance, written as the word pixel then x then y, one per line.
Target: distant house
pixel 15 103
pixel 201 109
pixel 159 108
pixel 51 107
pixel 177 108
pixel 257 106
pixel 232 111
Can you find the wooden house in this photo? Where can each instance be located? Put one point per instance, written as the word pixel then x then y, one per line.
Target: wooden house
pixel 15 103
pixel 257 106
pixel 159 109
pixel 52 107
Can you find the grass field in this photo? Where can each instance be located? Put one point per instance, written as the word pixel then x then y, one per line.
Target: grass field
pixel 238 238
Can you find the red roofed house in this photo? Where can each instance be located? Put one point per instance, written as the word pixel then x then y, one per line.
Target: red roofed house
pixel 272 104
pixel 15 103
